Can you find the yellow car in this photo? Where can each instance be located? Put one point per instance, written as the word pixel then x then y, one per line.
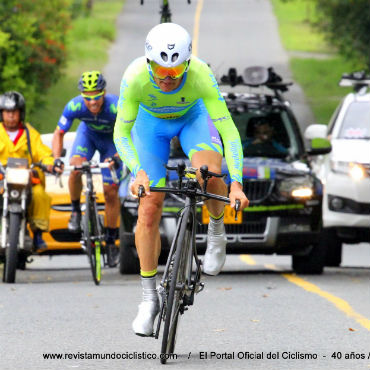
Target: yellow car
pixel 59 239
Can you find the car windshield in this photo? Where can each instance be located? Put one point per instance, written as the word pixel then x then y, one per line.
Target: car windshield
pixel 262 134
pixel 266 134
pixel 356 122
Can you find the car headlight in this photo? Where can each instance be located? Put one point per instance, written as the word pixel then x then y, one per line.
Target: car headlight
pixel 357 171
pixel 302 192
pixel 297 187
pixel 354 170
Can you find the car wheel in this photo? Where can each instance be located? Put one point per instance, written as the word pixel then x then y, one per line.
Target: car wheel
pixel 128 258
pixel 312 263
pixel 334 248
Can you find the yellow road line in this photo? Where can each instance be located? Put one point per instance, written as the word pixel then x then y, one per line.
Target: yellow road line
pixel 198 10
pixel 247 259
pixel 339 303
pixel 272 267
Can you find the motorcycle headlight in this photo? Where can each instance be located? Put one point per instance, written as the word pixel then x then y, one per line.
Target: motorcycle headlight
pixel 17 176
pixel 296 187
pixel 354 170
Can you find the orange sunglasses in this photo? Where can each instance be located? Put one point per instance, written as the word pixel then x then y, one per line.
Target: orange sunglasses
pixel 172 72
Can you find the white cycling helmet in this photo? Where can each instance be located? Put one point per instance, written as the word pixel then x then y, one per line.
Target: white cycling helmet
pixel 168 44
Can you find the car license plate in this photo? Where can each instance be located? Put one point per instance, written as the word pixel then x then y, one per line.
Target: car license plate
pixel 229 215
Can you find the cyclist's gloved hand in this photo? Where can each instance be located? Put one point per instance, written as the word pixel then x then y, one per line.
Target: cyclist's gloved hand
pixel 141 179
pixel 114 162
pixel 58 166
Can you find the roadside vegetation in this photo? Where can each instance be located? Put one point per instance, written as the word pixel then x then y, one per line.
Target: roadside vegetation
pixel 317 60
pixel 87 43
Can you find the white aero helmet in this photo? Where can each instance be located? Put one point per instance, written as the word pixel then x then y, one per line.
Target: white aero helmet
pixel 168 44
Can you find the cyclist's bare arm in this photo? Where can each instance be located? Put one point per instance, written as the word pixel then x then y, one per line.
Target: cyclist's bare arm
pixel 57 142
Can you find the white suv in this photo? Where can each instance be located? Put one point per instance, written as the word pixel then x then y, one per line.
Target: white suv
pixel 345 172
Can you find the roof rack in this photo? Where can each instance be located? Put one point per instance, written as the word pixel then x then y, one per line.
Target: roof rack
pixel 255 76
pixel 357 80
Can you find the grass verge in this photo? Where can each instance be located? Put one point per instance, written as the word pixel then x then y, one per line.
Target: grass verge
pixel 87 47
pixel 295 19
pixel 318 77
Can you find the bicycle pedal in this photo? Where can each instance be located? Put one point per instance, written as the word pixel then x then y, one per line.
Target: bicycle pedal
pixel 199 287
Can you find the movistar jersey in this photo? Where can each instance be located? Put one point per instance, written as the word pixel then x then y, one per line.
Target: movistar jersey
pixel 138 89
pixel 101 122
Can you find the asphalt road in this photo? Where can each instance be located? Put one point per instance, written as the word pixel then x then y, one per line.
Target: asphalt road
pixel 255 305
pixel 256 310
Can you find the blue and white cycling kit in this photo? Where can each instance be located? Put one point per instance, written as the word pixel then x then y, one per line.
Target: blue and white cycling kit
pixel 95 132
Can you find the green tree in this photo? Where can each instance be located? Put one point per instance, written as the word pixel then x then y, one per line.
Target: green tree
pixel 347 26
pixel 32 49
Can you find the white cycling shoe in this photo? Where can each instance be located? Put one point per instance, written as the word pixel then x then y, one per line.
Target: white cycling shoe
pixel 148 308
pixel 215 256
pixel 144 321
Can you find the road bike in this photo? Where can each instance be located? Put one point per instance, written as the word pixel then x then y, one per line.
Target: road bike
pixel 182 275
pixel 92 223
pixel 165 12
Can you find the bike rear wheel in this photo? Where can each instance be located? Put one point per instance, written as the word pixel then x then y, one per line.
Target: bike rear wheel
pixel 93 239
pixel 176 290
pixel 11 256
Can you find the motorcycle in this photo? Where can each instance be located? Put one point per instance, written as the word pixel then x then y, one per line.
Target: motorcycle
pixel 15 243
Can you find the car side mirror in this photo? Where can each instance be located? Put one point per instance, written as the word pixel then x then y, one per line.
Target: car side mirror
pixel 319 146
pixel 316 131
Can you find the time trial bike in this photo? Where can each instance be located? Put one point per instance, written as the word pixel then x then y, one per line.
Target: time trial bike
pixel 182 275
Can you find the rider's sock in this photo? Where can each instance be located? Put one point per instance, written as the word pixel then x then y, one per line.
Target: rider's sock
pixel 216 226
pixel 112 234
pixel 76 206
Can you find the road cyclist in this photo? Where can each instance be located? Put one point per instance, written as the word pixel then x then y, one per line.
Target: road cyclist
pixel 167 93
pixel 97 112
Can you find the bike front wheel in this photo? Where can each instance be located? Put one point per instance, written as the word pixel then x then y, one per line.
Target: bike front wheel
pixel 92 241
pixel 176 292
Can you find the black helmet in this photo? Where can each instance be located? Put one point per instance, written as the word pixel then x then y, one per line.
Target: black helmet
pixel 12 100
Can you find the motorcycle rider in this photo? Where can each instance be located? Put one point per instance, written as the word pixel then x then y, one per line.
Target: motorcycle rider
pixel 19 139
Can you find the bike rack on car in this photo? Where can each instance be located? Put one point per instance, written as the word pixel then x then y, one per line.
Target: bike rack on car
pixel 358 80
pixel 257 76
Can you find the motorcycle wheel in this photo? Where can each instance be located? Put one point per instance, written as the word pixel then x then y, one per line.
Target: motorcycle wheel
pixel 11 255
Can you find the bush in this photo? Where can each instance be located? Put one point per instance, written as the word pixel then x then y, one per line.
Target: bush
pixel 346 24
pixel 32 45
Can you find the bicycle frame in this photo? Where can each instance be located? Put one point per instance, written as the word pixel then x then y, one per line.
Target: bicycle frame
pixel 189 212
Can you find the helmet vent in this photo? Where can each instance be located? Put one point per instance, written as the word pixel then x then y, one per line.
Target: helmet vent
pixel 164 56
pixel 174 57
